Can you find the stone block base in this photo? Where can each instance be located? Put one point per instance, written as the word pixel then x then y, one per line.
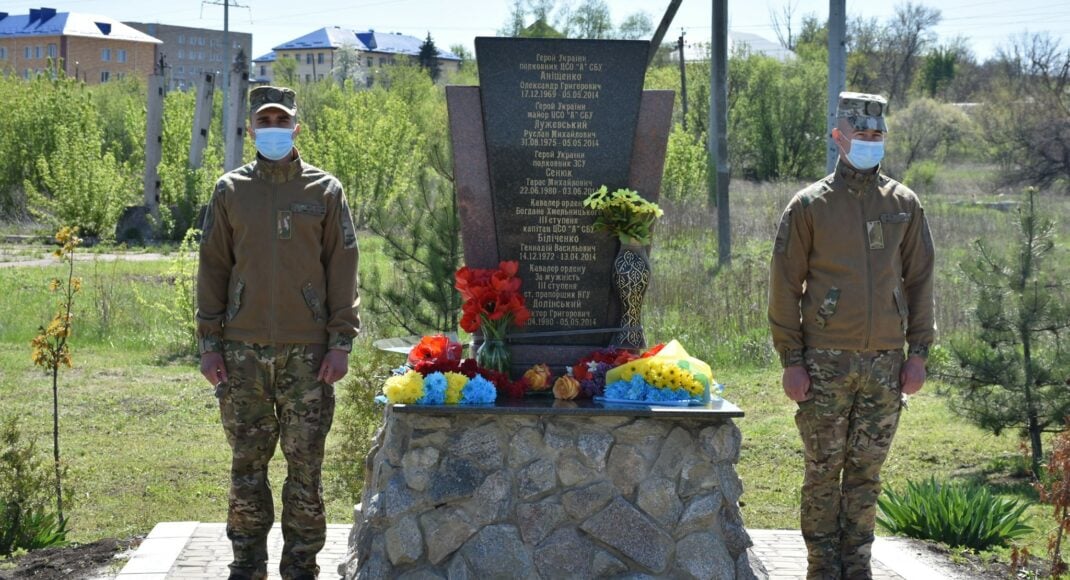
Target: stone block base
pixel 502 495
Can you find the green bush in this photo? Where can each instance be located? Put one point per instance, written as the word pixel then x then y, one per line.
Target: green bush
pixel 921 175
pixel 82 184
pixel 357 418
pixel 685 167
pixel 957 515
pixel 26 522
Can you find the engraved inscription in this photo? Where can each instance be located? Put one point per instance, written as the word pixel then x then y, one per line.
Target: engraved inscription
pixel 559 137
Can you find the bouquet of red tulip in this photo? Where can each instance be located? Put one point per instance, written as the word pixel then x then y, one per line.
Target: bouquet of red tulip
pixel 492 301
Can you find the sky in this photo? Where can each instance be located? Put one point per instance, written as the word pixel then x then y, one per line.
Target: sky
pixel 986 24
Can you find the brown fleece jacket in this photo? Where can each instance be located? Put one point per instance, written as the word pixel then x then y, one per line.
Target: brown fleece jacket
pixel 278 259
pixel 852 268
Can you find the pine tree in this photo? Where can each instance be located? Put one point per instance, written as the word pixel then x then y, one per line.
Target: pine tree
pixel 1016 368
pixel 429 58
pixel 421 235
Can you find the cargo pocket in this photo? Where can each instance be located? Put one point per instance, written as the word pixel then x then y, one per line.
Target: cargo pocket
pixel 901 306
pixel 828 307
pixel 234 304
pixel 312 300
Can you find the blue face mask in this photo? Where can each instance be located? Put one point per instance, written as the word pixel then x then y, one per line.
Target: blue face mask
pixel 865 154
pixel 274 143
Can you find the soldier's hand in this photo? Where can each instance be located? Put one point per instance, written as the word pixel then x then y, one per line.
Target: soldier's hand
pixel 912 375
pixel 335 365
pixel 796 382
pixel 212 368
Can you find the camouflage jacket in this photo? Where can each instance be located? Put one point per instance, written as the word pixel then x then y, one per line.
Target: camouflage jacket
pixel 852 268
pixel 278 259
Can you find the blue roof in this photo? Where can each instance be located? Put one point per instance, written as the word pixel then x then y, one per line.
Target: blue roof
pixel 370 41
pixel 332 37
pixel 398 43
pixel 48 22
pixel 269 57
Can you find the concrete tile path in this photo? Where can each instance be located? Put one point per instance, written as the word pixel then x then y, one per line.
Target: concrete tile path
pixel 200 551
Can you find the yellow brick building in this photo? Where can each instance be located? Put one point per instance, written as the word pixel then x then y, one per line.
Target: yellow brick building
pixel 96 49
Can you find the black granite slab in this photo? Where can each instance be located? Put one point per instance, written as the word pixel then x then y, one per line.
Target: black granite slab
pixel 559 119
pixel 582 408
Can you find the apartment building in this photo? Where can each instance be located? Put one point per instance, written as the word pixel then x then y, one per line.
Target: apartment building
pixel 190 52
pixel 95 49
pixel 317 53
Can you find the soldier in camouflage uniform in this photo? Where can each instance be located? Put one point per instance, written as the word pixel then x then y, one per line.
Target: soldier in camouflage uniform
pixel 276 318
pixel 850 286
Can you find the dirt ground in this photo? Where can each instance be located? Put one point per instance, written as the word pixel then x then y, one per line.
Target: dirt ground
pixel 75 562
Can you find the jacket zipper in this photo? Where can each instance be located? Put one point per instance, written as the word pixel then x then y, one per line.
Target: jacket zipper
pixel 869 276
pixel 273 217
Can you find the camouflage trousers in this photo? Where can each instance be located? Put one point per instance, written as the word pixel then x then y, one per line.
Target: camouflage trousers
pixel 847 428
pixel 272 396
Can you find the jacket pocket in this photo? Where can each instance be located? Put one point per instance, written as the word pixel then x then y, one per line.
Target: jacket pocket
pixel 901 306
pixel 828 307
pixel 234 304
pixel 312 300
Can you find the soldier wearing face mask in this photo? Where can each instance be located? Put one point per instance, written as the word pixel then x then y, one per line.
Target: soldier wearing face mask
pixel 850 288
pixel 276 317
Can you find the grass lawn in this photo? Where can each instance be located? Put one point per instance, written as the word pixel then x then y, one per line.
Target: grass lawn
pixel 142 440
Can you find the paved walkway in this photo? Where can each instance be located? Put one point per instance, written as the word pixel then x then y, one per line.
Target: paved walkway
pixel 200 551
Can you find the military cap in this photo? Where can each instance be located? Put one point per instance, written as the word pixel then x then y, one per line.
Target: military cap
pixel 283 98
pixel 862 111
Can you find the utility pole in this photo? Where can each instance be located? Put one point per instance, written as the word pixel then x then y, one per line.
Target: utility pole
pixel 718 172
pixel 683 77
pixel 226 67
pixel 236 112
pixel 153 138
pixel 837 73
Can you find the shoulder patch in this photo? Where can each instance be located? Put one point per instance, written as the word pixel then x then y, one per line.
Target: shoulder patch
pixel 345 219
pixel 783 232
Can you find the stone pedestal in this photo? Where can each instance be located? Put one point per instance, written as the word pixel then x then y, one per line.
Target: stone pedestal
pixel 545 489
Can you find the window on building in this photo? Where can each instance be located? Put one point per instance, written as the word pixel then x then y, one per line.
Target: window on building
pixel 181 54
pixel 319 77
pixel 37 52
pixel 180 71
pixel 53 52
pixel 319 58
pixel 26 52
pixel 120 55
pixel 308 78
pixel 263 71
pixel 371 62
pixel 382 60
pixel 182 39
pixel 308 58
pixel 104 76
pixel 3 53
pixel 105 55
